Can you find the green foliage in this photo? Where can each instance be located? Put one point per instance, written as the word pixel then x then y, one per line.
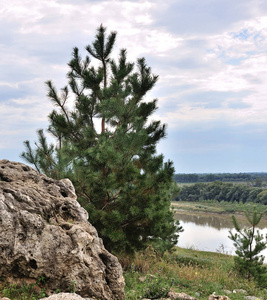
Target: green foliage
pixel 72 287
pixel 222 191
pixel 258 182
pixel 249 243
pixel 157 286
pixel 119 178
pixel 225 177
pixel 192 261
pixel 152 286
pixel 262 197
pixel 23 292
pixel 146 275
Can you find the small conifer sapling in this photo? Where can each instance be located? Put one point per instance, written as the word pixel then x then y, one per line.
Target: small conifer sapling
pixel 249 243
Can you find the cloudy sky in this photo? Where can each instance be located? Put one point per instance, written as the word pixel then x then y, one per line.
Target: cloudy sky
pixel 211 56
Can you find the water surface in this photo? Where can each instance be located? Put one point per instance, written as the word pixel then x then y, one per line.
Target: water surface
pixel 209 232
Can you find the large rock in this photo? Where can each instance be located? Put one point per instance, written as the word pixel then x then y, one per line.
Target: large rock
pixel 44 234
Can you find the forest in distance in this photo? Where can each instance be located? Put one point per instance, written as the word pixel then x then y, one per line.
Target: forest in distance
pixel 222 191
pixel 225 177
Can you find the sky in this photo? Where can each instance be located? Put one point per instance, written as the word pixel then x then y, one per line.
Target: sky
pixel 210 55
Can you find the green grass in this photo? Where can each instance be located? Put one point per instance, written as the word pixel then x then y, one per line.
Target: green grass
pixel 21 292
pixel 150 275
pixel 184 270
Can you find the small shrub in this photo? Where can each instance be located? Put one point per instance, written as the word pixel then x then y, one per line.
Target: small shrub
pixel 249 243
pixel 72 287
pixel 157 286
pixel 193 261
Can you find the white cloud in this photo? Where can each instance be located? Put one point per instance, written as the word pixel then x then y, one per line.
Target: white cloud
pixel 211 57
pixel 232 62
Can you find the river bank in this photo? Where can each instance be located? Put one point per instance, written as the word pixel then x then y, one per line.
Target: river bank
pixel 228 208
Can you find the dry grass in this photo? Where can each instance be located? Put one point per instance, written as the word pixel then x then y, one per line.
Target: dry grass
pixel 149 275
pixel 185 270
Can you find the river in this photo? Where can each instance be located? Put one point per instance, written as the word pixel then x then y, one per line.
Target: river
pixel 209 232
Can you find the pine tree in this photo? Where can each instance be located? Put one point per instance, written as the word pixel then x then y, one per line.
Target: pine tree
pixel 119 178
pixel 249 243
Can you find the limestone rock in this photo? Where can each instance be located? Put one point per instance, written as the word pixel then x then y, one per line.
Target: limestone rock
pixel 65 296
pixel 239 291
pixel 227 292
pixel 218 297
pixel 44 234
pixel 173 295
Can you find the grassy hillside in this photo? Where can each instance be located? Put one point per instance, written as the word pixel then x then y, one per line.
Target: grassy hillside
pixel 149 275
pixel 196 273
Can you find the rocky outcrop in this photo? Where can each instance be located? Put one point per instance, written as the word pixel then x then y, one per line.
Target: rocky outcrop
pixel 45 235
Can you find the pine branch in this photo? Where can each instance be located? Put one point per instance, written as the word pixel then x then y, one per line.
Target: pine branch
pixel 30 156
pixel 52 94
pixel 109 44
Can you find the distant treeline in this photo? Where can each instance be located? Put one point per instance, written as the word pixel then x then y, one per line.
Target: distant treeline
pixel 222 191
pixel 233 177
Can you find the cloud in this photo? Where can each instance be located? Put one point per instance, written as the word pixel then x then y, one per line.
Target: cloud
pixel 205 17
pixel 221 78
pixel 210 55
